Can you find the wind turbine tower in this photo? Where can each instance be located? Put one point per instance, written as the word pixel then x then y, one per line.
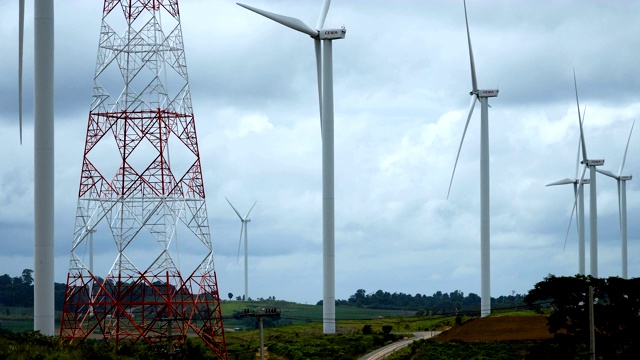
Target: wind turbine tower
pixel 243 230
pixel 485 213
pixel 43 146
pixel 579 196
pixel 622 203
pixel 324 70
pixel 140 196
pixel 593 203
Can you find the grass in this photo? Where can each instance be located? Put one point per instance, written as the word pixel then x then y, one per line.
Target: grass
pixel 425 349
pixel 19 319
pixel 17 325
pixel 313 312
pixel 498 312
pixel 307 341
pixel 349 319
pixel 299 331
pixel 16 319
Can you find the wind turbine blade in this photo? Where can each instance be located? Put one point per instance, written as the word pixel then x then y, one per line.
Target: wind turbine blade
pixel 575 204
pixel 466 125
pixel 607 173
pixel 20 57
pixel 293 23
pixel 474 83
pixel 619 206
pixel 234 209
pixel 240 242
pixel 575 191
pixel 584 149
pixel 564 181
pixel 624 158
pixel 317 44
pixel 573 210
pixel 578 158
pixel 323 14
pixel 249 212
pixel 581 180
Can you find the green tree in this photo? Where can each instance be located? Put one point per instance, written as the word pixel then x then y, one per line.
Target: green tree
pixel 5 280
pixel 230 295
pixel 616 311
pixel 568 297
pixel 27 276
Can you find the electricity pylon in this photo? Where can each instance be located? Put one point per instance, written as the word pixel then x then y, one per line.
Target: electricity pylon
pixel 138 196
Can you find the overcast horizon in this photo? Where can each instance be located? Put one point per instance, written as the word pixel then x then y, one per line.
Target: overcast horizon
pixel 401 96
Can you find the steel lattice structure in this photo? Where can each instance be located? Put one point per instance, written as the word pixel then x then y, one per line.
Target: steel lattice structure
pixel 132 192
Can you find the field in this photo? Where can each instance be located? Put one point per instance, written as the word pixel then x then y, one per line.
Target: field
pixel 16 319
pixel 499 328
pixel 298 333
pixel 304 312
pixel 497 337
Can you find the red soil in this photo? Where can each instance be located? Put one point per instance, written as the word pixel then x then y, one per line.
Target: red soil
pixel 499 328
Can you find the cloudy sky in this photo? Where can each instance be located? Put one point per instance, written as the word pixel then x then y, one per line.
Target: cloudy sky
pixel 402 85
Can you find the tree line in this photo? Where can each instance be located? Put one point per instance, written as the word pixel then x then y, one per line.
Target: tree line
pixel 18 291
pixel 438 303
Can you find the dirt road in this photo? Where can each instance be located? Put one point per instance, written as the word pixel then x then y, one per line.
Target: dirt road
pixel 386 350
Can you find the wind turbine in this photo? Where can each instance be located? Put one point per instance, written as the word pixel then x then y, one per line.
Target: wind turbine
pixel 243 229
pixel 593 204
pixel 324 69
pixel 43 310
pixel 579 193
pixel 622 202
pixel 485 222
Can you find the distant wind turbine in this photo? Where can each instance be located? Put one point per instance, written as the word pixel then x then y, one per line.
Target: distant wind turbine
pixel 579 192
pixel 485 222
pixel 593 204
pixel 243 230
pixel 43 288
pixel 324 69
pixel 622 202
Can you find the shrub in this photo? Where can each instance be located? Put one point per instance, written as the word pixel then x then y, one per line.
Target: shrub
pixel 386 329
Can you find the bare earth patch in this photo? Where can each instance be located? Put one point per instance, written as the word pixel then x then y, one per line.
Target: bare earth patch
pixel 498 328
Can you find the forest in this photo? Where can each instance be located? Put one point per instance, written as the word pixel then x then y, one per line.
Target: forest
pixel 18 290
pixel 438 303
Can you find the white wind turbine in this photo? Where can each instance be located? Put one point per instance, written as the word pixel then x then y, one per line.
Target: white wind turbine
pixel 593 204
pixel 622 202
pixel 579 192
pixel 43 214
pixel 485 223
pixel 324 68
pixel 243 230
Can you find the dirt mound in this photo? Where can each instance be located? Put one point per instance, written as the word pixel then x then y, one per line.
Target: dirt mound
pixel 499 328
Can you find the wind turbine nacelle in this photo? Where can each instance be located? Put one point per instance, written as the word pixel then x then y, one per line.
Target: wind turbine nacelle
pixel 332 34
pixel 625 177
pixel 488 93
pixel 584 181
pixel 594 162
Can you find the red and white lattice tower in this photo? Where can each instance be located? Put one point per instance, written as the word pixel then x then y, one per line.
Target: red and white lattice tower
pixel 139 198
